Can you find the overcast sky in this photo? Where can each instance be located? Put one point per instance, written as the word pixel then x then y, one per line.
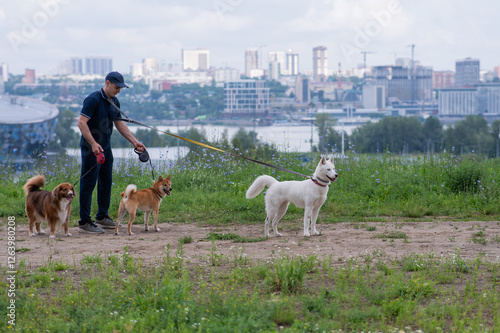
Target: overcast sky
pixel 40 33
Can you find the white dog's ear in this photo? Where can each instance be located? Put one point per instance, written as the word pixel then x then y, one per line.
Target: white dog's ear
pixel 323 159
pixel 331 159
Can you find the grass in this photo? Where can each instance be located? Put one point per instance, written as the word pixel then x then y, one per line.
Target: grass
pixel 117 293
pixel 210 188
pixel 234 237
pixel 120 293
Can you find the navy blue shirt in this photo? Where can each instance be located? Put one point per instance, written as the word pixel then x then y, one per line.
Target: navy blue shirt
pixel 101 115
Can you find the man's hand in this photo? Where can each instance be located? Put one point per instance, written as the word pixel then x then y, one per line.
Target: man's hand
pixel 139 146
pixel 97 149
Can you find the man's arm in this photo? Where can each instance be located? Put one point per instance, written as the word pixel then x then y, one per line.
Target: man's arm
pixel 84 129
pixel 125 132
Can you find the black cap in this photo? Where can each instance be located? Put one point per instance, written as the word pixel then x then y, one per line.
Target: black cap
pixel 116 78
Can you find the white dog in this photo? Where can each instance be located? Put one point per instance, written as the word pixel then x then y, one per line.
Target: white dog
pixel 308 194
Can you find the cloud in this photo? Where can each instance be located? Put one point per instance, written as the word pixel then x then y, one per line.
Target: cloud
pixel 130 30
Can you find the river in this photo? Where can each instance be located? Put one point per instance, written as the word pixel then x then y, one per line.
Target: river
pixel 286 138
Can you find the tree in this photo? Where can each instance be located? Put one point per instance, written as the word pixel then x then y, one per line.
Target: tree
pixel 243 140
pixel 195 135
pixel 396 134
pixel 495 132
pixel 432 132
pixel 155 95
pixel 333 140
pixel 323 122
pixel 468 135
pixel 65 136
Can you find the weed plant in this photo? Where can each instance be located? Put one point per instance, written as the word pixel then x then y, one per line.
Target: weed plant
pixel 209 187
pixel 117 293
pixel 120 293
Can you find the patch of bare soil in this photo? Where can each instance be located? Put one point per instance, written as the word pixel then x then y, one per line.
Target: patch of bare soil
pixel 340 241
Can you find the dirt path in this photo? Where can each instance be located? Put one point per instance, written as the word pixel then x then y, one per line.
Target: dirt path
pixel 341 241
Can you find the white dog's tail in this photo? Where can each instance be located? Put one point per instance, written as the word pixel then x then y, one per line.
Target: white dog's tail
pixel 259 184
pixel 130 189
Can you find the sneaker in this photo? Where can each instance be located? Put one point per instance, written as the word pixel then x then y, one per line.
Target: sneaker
pixel 90 227
pixel 105 223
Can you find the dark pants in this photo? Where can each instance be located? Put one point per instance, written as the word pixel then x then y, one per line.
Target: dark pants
pixel 103 176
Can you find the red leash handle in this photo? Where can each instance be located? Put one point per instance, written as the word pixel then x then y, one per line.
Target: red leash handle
pixel 100 158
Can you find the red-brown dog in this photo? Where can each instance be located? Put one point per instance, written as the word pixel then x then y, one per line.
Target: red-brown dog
pixel 52 207
pixel 147 200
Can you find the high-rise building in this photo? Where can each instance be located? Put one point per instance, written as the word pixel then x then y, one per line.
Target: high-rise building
pixel 466 72
pixel 246 98
pixel 488 98
pixel 251 61
pixel 302 89
pixel 86 65
pixel 443 79
pixel 137 69
pixel 196 60
pixel 227 74
pixel 380 77
pixel 457 102
pixel 98 65
pixel 277 65
pixel 422 84
pixel 4 71
pixel 496 72
pixel 72 66
pixel 320 64
pixel 374 97
pixel 150 66
pixel 29 76
pixel 292 63
pixel 399 83
pixel 480 99
pixel 76 66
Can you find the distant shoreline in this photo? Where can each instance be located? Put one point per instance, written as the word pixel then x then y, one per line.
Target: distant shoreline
pixel 223 122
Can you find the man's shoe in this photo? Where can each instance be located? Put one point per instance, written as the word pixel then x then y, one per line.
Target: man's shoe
pixel 90 227
pixel 105 223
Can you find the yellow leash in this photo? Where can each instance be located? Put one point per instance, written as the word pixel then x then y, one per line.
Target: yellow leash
pixel 127 119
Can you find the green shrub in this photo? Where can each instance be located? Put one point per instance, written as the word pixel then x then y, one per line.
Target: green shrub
pixel 464 177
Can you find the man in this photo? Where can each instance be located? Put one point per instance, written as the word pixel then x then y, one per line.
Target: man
pixel 96 125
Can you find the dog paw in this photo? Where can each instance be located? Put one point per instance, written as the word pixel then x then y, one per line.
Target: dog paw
pixel 315 232
pixel 41 232
pixel 68 234
pixel 33 234
pixel 52 236
pixel 117 233
pixel 157 229
pixel 307 234
pixel 131 234
pixel 278 234
pixel 146 228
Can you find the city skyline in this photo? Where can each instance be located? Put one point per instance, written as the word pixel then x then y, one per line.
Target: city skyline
pixel 40 34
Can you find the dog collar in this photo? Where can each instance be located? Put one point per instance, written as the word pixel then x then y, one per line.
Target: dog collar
pixel 316 182
pixel 158 194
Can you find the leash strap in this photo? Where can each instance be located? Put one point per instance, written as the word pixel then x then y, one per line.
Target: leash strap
pixel 128 120
pixel 96 164
pixel 152 170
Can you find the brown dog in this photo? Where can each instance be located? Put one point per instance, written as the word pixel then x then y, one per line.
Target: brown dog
pixel 147 200
pixel 51 207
